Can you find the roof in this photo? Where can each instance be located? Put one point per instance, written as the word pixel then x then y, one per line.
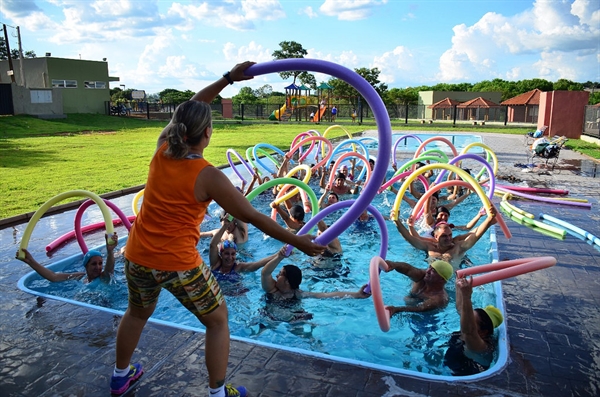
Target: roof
pixel 444 103
pixel 478 102
pixel 292 87
pixel 528 98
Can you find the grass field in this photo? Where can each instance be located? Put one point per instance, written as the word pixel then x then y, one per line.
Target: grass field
pixel 42 158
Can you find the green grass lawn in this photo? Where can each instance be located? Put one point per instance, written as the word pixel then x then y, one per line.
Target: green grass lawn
pixel 42 158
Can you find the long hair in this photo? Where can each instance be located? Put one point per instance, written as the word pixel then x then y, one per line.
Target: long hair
pixel 190 120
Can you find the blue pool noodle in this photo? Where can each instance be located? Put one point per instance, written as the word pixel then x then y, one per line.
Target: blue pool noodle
pixel 573 228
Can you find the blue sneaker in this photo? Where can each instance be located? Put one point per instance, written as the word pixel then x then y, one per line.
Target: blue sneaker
pixel 239 391
pixel 120 384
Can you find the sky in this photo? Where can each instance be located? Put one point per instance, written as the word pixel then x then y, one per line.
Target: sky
pixel 153 45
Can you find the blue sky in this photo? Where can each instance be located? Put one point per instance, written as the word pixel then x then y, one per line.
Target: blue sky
pixel 153 45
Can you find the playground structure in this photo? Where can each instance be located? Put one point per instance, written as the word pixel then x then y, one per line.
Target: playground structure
pixel 299 103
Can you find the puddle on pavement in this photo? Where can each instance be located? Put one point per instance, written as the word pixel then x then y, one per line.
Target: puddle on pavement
pixel 587 168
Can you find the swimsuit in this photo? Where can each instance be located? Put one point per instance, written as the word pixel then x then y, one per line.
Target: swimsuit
pixel 459 363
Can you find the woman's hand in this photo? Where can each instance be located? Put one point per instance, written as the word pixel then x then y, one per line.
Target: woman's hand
pixel 237 73
pixel 308 246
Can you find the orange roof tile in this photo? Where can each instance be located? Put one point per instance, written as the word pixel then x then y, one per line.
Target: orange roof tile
pixel 528 98
pixel 478 103
pixel 444 103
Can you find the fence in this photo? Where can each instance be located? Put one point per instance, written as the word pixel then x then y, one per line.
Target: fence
pixel 266 111
pixel 591 123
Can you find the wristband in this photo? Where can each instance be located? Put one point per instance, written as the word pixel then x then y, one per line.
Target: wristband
pixel 228 77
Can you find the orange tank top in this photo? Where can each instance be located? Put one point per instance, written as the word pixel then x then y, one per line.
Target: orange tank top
pixel 166 231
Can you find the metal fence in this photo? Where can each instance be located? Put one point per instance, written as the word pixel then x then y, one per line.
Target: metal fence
pixel 591 122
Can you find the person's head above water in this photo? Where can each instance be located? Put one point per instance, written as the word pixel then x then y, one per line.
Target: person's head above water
pixel 293 274
pixel 488 319
pixel 92 262
pixel 443 214
pixel 332 198
pixel 297 212
pixel 190 125
pixel 443 268
pixel 228 252
pixel 442 233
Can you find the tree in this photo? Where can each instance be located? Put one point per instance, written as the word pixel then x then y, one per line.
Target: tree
pixel 170 95
pixel 567 85
pixel 14 53
pixel 594 98
pixel 246 96
pixel 403 96
pixel 292 49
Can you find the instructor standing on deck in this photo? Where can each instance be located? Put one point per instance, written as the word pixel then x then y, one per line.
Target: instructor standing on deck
pixel 161 250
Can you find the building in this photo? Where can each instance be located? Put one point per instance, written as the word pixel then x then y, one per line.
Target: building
pixel 428 98
pixel 523 108
pixel 84 84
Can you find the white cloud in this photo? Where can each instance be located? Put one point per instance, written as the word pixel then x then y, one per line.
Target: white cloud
pixel 394 64
pixel 252 52
pixel 350 10
pixel 564 30
pixel 308 11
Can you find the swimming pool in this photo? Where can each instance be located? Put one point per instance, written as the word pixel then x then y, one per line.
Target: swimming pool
pixel 347 330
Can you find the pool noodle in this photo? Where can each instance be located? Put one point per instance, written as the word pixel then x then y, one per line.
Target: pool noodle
pixel 534 189
pixel 311 139
pixel 396 178
pixel 342 158
pixel 85 229
pixel 59 197
pixel 463 174
pixel 79 214
pixel 488 151
pixel 249 158
pixel 353 142
pixel 516 209
pixel 506 269
pixel 256 149
pixel 383 315
pixel 435 138
pixel 380 114
pixel 136 199
pixel 541 225
pixel 578 230
pixel 532 227
pixel 418 207
pixel 341 205
pixel 403 137
pixel 242 161
pixel 544 199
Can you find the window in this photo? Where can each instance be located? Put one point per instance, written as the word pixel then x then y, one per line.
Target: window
pixel 41 96
pixel 64 83
pixel 95 84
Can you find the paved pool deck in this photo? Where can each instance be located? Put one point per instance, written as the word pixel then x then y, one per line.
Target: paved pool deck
pixel 51 348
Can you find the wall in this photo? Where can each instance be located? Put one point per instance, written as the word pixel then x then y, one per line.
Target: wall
pixel 563 112
pixel 22 102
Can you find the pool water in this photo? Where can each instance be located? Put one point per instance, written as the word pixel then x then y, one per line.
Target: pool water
pixel 342 329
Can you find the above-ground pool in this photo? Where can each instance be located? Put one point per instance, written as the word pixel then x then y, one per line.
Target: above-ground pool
pixel 340 329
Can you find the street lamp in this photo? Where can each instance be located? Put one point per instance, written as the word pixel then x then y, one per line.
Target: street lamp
pixel 122 85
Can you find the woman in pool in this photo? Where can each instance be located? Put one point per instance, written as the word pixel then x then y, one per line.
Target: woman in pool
pixel 92 262
pixel 471 350
pixel 223 254
pixel 161 250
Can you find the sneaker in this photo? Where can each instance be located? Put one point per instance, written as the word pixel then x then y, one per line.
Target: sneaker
pixel 120 384
pixel 239 391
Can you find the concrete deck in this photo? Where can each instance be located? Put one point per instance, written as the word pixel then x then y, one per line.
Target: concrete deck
pixel 50 348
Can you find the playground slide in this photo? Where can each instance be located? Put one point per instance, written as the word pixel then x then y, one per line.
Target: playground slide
pixel 319 114
pixel 275 115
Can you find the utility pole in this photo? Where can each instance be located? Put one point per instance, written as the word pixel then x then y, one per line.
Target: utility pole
pixel 21 57
pixel 10 64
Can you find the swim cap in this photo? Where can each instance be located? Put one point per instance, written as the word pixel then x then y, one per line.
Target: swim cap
pixel 340 176
pixel 494 314
pixel 444 269
pixel 89 255
pixel 228 244
pixel 293 275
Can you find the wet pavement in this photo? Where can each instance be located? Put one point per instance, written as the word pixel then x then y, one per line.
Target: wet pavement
pixel 51 348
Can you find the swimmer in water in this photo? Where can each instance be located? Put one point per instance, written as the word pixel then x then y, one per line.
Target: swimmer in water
pixel 92 262
pixel 428 288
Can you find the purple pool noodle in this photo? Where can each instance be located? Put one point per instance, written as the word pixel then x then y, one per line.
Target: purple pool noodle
pixel 403 138
pixel 381 118
pixel 343 204
pixel 234 168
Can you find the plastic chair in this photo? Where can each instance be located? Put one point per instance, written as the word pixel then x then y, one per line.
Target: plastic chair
pixel 547 150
